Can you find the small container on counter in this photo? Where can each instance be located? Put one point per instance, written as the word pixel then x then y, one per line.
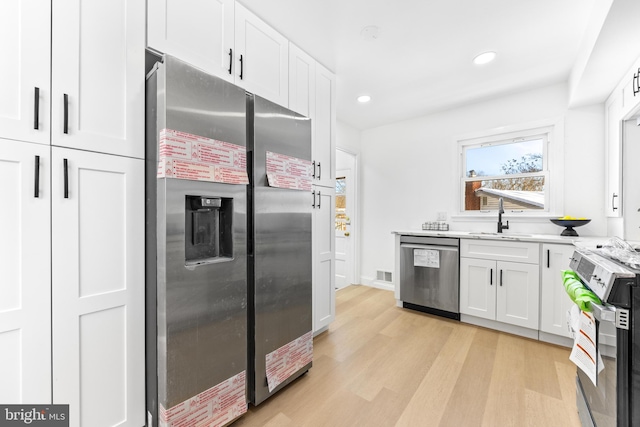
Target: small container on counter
pixel 435 226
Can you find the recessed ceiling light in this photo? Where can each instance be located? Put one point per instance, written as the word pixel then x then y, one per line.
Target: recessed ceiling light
pixel 364 99
pixel 484 58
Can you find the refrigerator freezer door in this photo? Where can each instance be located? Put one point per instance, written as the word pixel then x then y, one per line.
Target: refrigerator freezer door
pixel 279 244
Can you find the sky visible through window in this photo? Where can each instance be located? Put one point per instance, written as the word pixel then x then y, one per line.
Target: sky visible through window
pixel 488 160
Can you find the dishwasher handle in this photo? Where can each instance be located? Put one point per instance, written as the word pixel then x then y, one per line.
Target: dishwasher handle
pixel 439 248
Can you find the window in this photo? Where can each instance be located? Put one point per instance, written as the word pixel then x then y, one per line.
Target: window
pixel 341 204
pixel 513 166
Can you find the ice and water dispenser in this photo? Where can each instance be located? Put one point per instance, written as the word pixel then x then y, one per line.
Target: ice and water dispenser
pixel 208 229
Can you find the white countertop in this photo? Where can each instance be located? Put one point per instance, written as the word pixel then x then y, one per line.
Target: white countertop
pixel 587 242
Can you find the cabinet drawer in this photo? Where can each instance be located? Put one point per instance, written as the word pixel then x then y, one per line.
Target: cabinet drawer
pixel 501 251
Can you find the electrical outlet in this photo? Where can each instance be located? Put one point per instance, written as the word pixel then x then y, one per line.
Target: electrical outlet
pixel 442 216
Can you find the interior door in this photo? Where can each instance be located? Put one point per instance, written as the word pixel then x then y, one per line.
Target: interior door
pixel 344 240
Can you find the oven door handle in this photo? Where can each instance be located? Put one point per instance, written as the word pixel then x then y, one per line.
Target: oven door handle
pixel 603 314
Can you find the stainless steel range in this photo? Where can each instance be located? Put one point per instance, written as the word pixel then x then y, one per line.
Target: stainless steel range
pixel 615 398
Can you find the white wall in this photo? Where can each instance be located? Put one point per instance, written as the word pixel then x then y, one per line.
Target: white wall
pixel 408 169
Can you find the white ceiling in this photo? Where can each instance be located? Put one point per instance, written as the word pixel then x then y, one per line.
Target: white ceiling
pixel 421 61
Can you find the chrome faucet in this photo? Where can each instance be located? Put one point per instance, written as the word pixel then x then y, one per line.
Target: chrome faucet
pixel 501 226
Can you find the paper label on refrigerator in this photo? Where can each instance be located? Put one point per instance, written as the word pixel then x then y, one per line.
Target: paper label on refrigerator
pixel 288 172
pixel 426 258
pixel 185 156
pixel 288 359
pixel 584 353
pixel 214 407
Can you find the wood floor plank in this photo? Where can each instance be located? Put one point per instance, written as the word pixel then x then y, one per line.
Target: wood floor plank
pixel 380 365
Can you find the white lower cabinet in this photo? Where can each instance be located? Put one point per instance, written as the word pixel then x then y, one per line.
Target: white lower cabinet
pixel 98 287
pixel 493 287
pixel 25 273
pixel 324 294
pixel 554 301
pixel 499 290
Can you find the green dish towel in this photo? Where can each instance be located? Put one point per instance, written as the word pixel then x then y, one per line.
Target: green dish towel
pixel 578 293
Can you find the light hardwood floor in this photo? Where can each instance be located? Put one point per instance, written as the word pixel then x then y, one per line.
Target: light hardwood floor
pixel 381 365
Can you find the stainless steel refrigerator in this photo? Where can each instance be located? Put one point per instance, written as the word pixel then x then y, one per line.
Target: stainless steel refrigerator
pixel 279 247
pixel 196 219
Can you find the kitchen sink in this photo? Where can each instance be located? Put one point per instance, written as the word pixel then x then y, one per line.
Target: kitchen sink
pixel 503 235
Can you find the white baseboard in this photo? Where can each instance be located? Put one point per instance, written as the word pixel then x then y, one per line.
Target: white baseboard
pixel 373 283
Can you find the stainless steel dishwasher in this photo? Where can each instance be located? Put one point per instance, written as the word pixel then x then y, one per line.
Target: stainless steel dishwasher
pixel 429 271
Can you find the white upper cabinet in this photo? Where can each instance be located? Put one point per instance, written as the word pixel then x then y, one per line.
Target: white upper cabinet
pixel 302 83
pixel 613 143
pixel 199 32
pixel 324 128
pixel 631 89
pixel 261 58
pixel 98 76
pixel 25 28
pixel 25 267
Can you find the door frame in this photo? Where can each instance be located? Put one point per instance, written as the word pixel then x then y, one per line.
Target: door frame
pixel 353 160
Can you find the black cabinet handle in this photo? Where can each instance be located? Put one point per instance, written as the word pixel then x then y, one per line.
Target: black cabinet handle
pixel 613 198
pixel 36 179
pixel 66 178
pixel 314 199
pixel 241 67
pixel 230 59
pixel 36 109
pixel 548 257
pixel 501 277
pixel 319 170
pixel 491 277
pixel 319 199
pixel 636 83
pixel 66 114
pixel 314 169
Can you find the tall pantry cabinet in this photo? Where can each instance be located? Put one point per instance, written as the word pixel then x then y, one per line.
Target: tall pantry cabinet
pixel 72 211
pixel 312 92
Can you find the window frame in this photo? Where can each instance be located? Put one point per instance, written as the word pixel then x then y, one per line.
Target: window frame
pixel 553 160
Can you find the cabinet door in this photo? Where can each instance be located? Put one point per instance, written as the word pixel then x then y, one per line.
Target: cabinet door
pixel 554 301
pixel 262 58
pixel 324 132
pixel 199 32
pixel 98 76
pixel 630 94
pixel 302 74
pixel 25 268
pixel 478 287
pixel 25 37
pixel 517 299
pixel 613 122
pixel 324 293
pixel 98 287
